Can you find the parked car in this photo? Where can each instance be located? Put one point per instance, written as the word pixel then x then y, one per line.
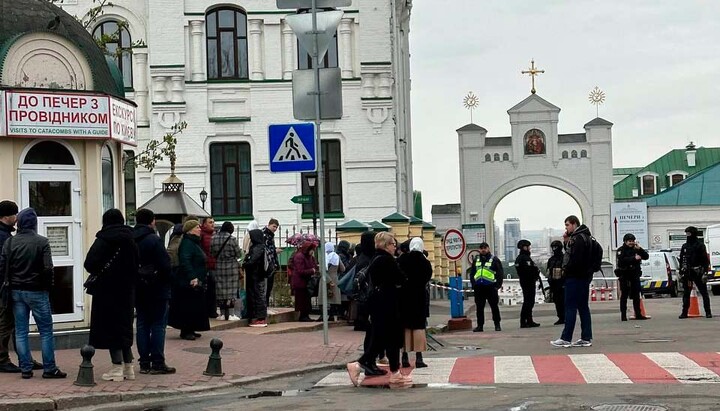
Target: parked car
pixel 660 274
pixel 712 240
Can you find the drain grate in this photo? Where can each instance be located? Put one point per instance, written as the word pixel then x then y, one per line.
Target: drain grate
pixel 468 348
pixel 655 340
pixel 628 407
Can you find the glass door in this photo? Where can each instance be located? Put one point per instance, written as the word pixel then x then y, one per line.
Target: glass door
pixel 55 196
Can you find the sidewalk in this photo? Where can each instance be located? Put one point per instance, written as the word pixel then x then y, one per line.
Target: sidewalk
pixel 247 352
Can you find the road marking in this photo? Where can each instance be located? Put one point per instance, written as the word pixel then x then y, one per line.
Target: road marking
pixel 684 369
pixel 598 369
pixel 437 372
pixel 335 379
pixel 641 369
pixel 554 369
pixel 474 370
pixel 709 360
pixel 515 370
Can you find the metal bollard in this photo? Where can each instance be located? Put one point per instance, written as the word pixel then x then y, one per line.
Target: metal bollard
pixel 214 367
pixel 86 377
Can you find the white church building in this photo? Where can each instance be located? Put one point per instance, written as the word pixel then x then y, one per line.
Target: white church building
pixel 226 69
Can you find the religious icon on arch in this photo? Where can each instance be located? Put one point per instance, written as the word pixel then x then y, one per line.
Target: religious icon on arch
pixel 534 142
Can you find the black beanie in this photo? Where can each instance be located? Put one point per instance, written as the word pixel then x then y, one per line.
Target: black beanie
pixel 8 208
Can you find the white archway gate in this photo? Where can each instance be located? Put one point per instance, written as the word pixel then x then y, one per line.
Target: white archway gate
pixel 579 164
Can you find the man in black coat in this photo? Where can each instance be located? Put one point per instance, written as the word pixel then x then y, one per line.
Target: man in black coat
pixel 486 277
pixel 556 280
pixel 269 235
pixel 529 275
pixel 694 265
pixel 629 257
pixel 153 296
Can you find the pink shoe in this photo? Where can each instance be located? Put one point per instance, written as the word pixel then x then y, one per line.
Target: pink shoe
pixel 399 381
pixel 354 370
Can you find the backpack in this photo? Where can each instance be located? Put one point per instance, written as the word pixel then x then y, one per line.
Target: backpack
pixel 596 255
pixel 363 284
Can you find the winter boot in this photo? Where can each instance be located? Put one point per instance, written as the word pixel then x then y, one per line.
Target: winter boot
pixel 129 371
pixel 405 360
pixel 419 363
pixel 116 373
pixel 497 327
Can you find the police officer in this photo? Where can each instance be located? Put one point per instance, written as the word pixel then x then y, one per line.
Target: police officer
pixel 486 276
pixel 694 265
pixel 557 280
pixel 529 274
pixel 628 271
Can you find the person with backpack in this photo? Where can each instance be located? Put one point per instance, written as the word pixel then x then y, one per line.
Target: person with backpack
pixel 694 265
pixel 113 260
pixel 153 295
pixel 255 268
pixel 486 277
pixel 628 259
pixel 225 249
pixel 365 251
pixel 583 255
pixel 529 275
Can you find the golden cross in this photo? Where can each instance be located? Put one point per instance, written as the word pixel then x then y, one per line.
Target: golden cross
pixel 533 72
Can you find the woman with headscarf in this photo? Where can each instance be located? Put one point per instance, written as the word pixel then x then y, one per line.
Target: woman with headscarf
pixel 187 305
pixel 254 265
pixel 227 268
pixel 304 267
pixel 417 271
pixel 113 258
pixel 248 283
pixel 334 267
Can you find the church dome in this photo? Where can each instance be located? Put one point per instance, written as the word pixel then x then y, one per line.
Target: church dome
pixel 42 46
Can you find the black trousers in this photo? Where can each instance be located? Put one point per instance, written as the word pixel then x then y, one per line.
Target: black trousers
pixel 374 346
pixel 269 287
pixel 557 288
pixel 487 293
pixel 526 316
pixel 702 289
pixel 211 296
pixel 629 288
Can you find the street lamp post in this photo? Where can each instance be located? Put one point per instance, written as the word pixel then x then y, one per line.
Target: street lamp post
pixel 203 197
pixel 312 180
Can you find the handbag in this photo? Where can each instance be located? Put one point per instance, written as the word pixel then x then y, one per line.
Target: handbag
pixel 313 285
pixel 92 281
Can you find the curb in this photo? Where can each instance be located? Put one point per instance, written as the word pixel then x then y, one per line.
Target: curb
pixel 63 402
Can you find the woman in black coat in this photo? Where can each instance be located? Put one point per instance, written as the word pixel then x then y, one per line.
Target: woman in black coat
pixel 113 257
pixel 187 306
pixel 418 271
pixel 385 317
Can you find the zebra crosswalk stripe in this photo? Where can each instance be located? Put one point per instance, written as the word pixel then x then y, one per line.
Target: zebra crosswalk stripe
pixel 598 369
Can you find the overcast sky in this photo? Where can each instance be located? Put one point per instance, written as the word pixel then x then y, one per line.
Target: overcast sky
pixel 657 61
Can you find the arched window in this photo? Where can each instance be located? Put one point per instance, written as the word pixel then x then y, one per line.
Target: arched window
pixel 573 154
pixel 565 154
pixel 488 157
pixel 496 157
pixel 49 152
pixel 108 186
pixel 118 44
pixel 227 51
pixel 583 153
pixel 506 157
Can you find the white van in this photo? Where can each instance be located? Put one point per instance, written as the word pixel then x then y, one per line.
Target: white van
pixel 712 242
pixel 660 274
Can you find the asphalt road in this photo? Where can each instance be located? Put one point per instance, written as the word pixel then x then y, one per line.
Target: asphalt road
pixel 663 333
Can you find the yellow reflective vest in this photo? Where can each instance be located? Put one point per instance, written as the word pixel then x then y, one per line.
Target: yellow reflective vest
pixel 483 273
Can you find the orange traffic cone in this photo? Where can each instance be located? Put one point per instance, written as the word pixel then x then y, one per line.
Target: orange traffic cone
pixel 694 311
pixel 642 308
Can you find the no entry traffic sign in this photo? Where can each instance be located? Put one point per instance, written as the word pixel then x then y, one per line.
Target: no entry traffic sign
pixel 454 244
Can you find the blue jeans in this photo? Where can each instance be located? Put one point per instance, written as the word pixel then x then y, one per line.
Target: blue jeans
pixel 39 303
pixel 577 293
pixel 152 319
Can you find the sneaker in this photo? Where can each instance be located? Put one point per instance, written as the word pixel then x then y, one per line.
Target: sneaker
pixel 145 369
pixel 234 318
pixel 497 327
pixel 55 374
pixel 26 375
pixel 258 323
pixel 9 367
pixel 478 329
pixel 189 337
pixel 197 335
pixel 708 315
pixel 162 370
pixel 37 366
pixel 582 343
pixel 399 381
pixel 561 343
pixel 682 316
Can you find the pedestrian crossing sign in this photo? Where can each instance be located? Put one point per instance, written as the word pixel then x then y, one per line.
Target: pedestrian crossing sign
pixel 292 147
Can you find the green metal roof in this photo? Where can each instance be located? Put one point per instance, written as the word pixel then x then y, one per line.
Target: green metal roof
pixel 415 221
pixel 702 189
pixel 624 171
pixel 378 226
pixel 396 218
pixel 353 226
pixel 428 226
pixel 672 161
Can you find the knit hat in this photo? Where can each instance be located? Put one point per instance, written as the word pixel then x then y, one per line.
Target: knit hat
pixel 189 225
pixel 8 208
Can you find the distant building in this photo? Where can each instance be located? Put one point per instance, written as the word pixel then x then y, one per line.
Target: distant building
pixel 445 217
pixel 497 246
pixel 512 236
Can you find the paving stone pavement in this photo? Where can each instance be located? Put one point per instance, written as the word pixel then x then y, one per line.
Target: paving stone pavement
pixel 244 354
